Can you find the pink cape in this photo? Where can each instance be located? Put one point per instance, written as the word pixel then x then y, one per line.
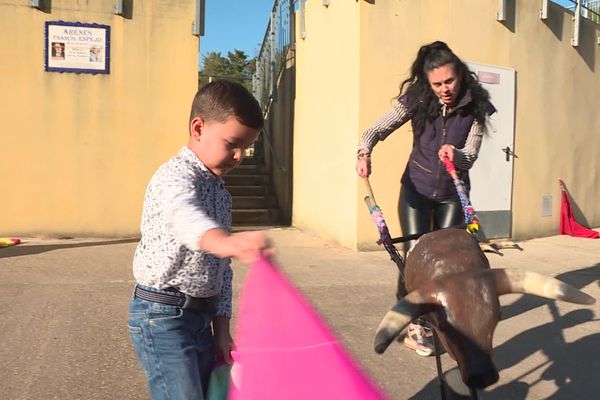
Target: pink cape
pixel 285 351
pixel 568 224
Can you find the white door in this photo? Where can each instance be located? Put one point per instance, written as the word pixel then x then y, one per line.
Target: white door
pixel 491 176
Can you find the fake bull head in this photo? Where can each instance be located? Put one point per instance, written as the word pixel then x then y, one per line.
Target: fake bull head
pixel 449 281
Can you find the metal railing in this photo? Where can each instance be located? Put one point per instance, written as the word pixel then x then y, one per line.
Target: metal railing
pixel 589 9
pixel 274 49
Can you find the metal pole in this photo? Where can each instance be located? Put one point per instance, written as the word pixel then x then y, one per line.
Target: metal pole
pixel 302 25
pixel 473 393
pixel 198 25
pixel 576 22
pixel 501 14
pixel 544 10
pixel 438 363
pixel 272 46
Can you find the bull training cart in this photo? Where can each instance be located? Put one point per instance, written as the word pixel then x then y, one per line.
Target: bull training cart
pixel 452 381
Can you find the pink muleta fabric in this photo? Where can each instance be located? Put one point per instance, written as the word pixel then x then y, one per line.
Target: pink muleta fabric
pixel 285 351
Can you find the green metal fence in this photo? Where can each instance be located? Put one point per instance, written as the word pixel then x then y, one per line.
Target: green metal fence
pixel 277 43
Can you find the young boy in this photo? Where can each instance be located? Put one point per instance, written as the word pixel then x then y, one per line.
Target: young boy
pixel 182 263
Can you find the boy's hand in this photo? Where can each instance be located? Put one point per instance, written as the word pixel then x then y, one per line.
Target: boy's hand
pixel 223 340
pixel 248 247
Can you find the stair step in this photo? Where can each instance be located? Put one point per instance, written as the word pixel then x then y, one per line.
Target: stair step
pixel 253 202
pixel 246 190
pixel 250 161
pixel 246 180
pixel 257 216
pixel 249 169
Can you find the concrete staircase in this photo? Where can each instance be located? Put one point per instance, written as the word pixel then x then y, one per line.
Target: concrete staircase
pixel 254 203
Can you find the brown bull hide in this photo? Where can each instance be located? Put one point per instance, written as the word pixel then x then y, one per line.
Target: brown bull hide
pixel 449 281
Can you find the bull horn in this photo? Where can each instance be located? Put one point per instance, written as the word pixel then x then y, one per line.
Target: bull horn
pixel 393 323
pixel 517 281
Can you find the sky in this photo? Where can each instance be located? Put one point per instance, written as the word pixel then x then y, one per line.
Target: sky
pixel 241 24
pixel 564 3
pixel 235 24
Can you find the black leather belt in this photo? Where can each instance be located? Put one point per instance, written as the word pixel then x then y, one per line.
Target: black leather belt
pixel 174 298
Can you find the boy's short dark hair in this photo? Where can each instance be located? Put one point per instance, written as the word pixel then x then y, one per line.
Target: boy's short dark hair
pixel 222 99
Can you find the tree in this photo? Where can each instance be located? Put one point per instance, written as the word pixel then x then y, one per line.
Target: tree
pixel 235 66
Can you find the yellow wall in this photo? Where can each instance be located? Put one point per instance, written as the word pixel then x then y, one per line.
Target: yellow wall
pixel 557 125
pixel 326 115
pixel 556 129
pixel 77 150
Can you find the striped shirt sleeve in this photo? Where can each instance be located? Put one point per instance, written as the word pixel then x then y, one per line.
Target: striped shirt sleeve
pixel 465 157
pixel 391 121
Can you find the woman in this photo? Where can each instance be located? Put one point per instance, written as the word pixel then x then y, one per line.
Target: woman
pixel 447 108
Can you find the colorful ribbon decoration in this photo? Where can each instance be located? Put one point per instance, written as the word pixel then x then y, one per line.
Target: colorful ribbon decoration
pixel 468 212
pixel 377 217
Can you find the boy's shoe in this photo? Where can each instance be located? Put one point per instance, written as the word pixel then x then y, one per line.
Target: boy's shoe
pixel 420 339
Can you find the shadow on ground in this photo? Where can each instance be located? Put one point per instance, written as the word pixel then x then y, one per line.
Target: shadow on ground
pixel 25 250
pixel 573 367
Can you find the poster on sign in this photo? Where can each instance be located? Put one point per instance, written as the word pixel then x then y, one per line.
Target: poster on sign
pixel 77 47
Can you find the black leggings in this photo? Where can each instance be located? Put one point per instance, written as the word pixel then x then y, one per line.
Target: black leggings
pixel 419 214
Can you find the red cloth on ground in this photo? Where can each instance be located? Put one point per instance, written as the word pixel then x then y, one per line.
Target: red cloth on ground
pixel 568 224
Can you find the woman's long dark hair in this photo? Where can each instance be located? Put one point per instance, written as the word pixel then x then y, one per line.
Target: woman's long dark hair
pixel 425 102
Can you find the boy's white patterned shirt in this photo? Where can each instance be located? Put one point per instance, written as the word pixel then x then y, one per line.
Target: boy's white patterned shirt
pixel 183 201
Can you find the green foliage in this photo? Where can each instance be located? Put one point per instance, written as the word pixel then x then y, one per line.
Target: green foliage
pixel 235 66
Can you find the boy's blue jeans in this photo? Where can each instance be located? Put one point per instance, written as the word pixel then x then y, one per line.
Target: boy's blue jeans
pixel 174 347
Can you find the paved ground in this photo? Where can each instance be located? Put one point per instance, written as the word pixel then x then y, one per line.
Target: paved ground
pixel 63 331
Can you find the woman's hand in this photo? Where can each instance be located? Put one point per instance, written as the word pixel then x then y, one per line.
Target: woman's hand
pixel 447 150
pixel 363 163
